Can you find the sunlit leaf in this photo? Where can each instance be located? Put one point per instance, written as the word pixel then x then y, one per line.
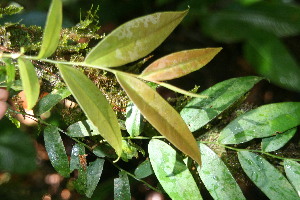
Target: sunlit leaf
pixel 94 172
pixel 134 39
pixel 56 150
pixel 200 111
pixel 262 122
pixel 292 170
pixel 216 176
pixel 52 30
pixel 134 120
pixel 266 177
pixel 30 82
pixel 94 105
pixel 10 72
pixel 171 171
pixel 122 187
pixel 143 170
pixel 160 114
pixel 50 100
pixel 178 64
pixel 276 142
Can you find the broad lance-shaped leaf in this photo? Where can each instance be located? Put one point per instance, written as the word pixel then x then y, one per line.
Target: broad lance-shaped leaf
pixel 160 114
pixel 134 39
pixel 122 187
pixel 266 177
pixel 199 111
pixel 30 82
pixel 178 64
pixel 216 177
pixel 56 150
pixel 94 105
pixel 292 170
pixel 52 30
pixel 94 171
pixel 262 122
pixel 134 120
pixel 172 172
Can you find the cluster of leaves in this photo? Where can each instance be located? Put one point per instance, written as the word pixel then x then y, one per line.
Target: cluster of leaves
pixel 275 123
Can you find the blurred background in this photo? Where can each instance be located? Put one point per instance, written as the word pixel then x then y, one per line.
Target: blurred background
pixel 258 38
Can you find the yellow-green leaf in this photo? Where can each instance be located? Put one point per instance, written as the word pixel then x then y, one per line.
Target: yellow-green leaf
pixel 30 82
pixel 160 114
pixel 179 64
pixel 134 39
pixel 52 30
pixel 94 105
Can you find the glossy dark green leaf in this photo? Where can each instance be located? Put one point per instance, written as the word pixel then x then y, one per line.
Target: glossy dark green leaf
pixel 77 161
pixel 292 170
pixel 94 105
pixel 50 100
pixel 77 151
pixel 171 171
pixel 271 58
pixel 10 72
pixel 262 122
pixel 216 176
pixel 94 172
pixel 82 129
pixel 221 96
pixel 178 64
pixel 276 142
pixel 122 187
pixel 143 170
pixel 134 120
pixel 56 150
pixel 266 177
pixel 30 82
pixel 160 114
pixel 105 150
pixel 134 39
pixel 52 30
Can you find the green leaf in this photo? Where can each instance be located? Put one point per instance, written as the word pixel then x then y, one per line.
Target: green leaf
pixel 292 170
pixel 30 82
pixel 198 112
pixel 94 105
pixel 143 170
pixel 50 100
pixel 77 150
pixel 52 30
pixel 266 177
pixel 94 172
pixel 160 115
pixel 10 72
pixel 56 151
pixel 82 129
pixel 178 64
pixel 134 120
pixel 270 58
pixel 17 152
pixel 262 122
pixel 104 150
pixel 171 171
pixel 122 187
pixel 276 142
pixel 134 39
pixel 216 176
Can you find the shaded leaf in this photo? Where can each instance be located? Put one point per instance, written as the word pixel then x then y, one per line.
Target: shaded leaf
pixel 30 82
pixel 171 171
pixel 262 122
pixel 198 112
pixel 270 58
pixel 134 39
pixel 134 120
pixel 276 142
pixel 94 172
pixel 78 161
pixel 104 150
pixel 292 170
pixel 56 150
pixel 82 129
pixel 178 64
pixel 94 105
pixel 160 114
pixel 216 176
pixel 122 187
pixel 10 72
pixel 266 177
pixel 50 100
pixel 52 30
pixel 77 150
pixel 143 170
